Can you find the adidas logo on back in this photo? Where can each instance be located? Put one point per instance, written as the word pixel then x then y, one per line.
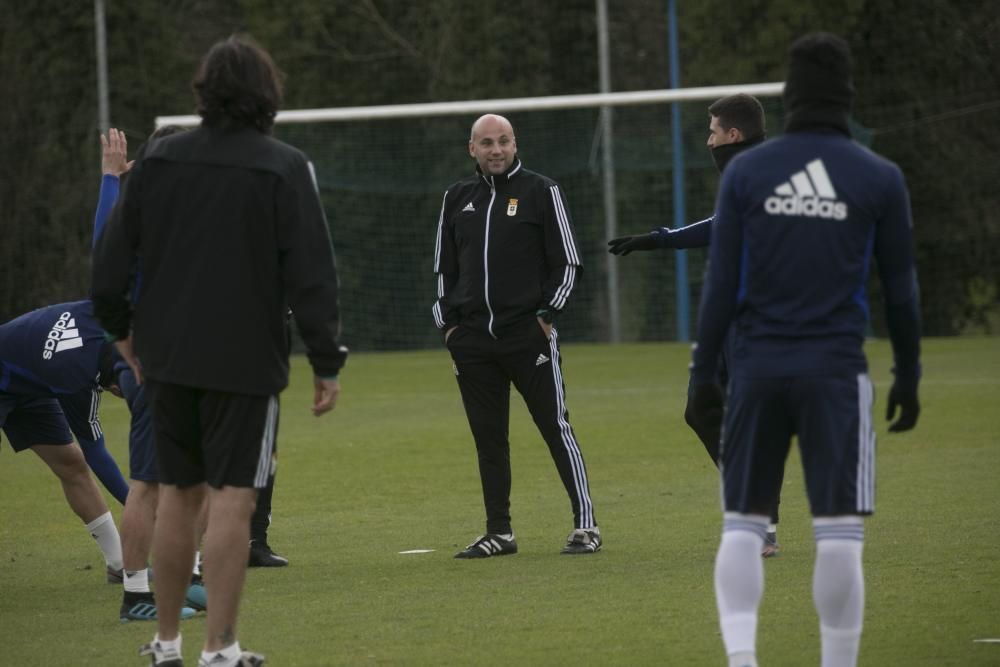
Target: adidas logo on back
pixel 63 336
pixel 807 193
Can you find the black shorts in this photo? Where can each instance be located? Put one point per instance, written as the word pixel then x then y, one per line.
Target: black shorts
pixel 217 437
pixel 831 415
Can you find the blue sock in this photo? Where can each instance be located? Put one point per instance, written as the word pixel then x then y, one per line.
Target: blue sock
pixel 100 461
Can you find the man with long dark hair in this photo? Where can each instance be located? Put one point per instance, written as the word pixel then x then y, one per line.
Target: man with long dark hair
pixel 232 234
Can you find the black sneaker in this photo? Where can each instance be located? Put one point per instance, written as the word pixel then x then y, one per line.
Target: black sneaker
pixel 582 541
pixel 142 607
pixel 262 556
pixel 159 657
pixel 489 545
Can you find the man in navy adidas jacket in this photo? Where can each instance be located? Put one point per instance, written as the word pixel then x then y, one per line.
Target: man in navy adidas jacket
pixel 506 260
pixel 798 221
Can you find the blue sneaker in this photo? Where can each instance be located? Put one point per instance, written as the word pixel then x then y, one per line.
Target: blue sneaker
pixel 197 597
pixel 142 607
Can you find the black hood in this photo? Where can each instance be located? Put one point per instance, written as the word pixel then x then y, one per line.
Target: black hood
pixel 818 89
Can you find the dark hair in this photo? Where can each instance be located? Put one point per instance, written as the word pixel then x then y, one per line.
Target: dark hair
pixel 238 85
pixel 741 111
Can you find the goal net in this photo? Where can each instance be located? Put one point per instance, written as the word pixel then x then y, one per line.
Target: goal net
pixel 382 171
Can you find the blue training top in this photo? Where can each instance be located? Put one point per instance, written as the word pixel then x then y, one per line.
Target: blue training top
pixel 797 222
pixel 52 350
pixel 110 185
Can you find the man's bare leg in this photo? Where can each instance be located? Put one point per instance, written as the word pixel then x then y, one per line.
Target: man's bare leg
pixel 174 544
pixel 226 551
pixel 69 465
pixel 138 519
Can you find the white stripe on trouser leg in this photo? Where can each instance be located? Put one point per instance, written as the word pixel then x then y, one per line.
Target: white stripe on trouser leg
pixel 267 444
pixel 92 419
pixel 569 442
pixel 865 478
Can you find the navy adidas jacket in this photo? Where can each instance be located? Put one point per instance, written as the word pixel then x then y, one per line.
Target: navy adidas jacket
pixel 798 221
pixel 58 349
pixel 505 249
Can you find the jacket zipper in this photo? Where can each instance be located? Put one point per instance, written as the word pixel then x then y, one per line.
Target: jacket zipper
pixel 486 261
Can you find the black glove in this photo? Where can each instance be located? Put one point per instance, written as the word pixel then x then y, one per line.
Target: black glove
pixel 904 398
pixel 705 408
pixel 623 245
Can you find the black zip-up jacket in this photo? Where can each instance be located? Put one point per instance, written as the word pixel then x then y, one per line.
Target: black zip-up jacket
pixel 229 234
pixel 505 249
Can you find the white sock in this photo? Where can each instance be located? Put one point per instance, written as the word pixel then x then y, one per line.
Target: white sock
pixel 227 657
pixel 839 588
pixel 103 530
pixel 137 581
pixel 739 583
pixel 166 650
pixel 197 563
pixel 742 660
pixel 506 536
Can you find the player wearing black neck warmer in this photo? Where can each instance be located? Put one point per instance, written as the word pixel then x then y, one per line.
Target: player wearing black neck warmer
pixel 736 123
pixel 799 220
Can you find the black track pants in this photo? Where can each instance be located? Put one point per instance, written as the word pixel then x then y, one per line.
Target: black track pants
pixel 486 367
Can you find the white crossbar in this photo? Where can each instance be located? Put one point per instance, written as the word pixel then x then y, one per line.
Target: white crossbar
pixel 505 105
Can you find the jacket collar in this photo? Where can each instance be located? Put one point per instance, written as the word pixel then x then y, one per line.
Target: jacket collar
pixel 495 181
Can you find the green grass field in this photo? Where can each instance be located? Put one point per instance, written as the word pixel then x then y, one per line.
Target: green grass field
pixel 393 469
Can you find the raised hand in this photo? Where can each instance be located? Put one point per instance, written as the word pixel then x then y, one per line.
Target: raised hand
pixel 114 154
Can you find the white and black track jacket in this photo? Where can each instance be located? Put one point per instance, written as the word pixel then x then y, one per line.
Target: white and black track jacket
pixel 505 249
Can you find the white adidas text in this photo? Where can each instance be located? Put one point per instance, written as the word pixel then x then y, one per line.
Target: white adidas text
pixel 807 193
pixel 63 336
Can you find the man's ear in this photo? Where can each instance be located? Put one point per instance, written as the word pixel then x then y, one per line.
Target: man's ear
pixel 472 150
pixel 735 136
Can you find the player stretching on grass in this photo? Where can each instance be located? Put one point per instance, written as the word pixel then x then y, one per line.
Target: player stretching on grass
pixel 47 354
pixel 798 221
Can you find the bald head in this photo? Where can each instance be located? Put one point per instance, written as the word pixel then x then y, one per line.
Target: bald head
pixel 492 144
pixel 488 122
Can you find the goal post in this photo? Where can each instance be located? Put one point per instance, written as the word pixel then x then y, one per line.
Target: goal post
pixel 381 171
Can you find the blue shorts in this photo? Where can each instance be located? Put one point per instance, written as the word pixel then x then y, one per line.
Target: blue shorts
pixel 30 420
pixel 831 416
pixel 141 446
